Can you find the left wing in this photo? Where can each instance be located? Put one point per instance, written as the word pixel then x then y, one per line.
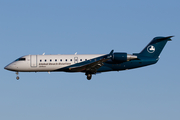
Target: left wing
pixel 92 67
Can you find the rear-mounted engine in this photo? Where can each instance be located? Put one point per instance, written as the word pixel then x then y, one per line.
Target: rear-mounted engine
pixel 122 57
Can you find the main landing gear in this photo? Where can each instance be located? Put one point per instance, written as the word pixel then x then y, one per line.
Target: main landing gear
pixel 17 76
pixel 89 76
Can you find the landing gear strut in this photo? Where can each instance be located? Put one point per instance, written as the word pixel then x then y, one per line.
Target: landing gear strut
pixel 89 76
pixel 17 76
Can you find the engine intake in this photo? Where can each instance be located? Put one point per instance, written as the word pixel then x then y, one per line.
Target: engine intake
pixel 123 57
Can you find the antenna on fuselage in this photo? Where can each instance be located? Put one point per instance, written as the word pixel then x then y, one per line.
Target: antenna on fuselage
pixel 76 53
pixel 43 53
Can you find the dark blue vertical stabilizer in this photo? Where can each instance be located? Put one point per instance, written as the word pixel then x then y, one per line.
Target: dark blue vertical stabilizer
pixel 154 48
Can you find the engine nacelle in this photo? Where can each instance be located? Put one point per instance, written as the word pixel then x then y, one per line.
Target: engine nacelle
pixel 119 57
pixel 122 57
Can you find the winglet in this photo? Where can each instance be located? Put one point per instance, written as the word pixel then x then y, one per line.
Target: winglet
pixel 111 52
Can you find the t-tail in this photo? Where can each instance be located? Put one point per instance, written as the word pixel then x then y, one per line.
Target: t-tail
pixel 154 48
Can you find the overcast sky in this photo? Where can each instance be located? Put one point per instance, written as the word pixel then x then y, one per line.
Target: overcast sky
pixel 89 27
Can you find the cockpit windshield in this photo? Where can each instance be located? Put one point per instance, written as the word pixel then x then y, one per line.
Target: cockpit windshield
pixel 20 59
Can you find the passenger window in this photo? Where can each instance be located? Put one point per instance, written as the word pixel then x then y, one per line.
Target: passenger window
pixel 66 59
pixel 50 60
pixel 61 60
pixel 45 60
pixel 40 60
pixel 71 59
pixel 85 59
pixel 56 60
pixel 80 59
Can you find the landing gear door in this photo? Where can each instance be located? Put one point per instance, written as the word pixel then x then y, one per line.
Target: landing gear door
pixel 33 60
pixel 75 59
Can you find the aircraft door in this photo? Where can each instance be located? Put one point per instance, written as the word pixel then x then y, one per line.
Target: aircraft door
pixel 75 59
pixel 33 60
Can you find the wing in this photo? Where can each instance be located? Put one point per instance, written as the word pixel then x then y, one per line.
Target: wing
pixel 92 67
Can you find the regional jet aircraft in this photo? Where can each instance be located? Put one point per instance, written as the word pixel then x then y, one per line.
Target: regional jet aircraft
pixel 90 64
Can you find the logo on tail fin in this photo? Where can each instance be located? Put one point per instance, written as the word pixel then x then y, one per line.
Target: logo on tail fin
pixel 150 49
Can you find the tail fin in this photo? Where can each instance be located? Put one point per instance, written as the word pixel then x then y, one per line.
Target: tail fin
pixel 154 48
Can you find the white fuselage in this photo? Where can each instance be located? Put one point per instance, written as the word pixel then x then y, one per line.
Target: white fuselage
pixel 42 63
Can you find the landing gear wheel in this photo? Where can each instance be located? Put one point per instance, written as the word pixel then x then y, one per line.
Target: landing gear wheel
pixel 89 76
pixel 17 77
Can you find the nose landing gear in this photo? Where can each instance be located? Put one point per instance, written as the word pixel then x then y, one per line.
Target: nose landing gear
pixel 17 76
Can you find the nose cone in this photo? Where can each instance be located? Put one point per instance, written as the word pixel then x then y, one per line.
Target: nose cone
pixel 9 67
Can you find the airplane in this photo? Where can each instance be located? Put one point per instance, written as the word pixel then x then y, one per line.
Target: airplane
pixel 92 63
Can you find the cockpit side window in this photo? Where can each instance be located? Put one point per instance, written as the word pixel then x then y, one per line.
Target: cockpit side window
pixel 20 59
